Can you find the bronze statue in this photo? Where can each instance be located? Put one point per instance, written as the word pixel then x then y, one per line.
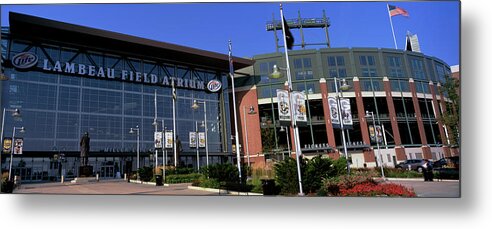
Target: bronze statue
pixel 84 149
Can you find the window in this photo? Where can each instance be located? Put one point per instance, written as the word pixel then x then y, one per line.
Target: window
pixel 368 66
pixel 418 69
pixel 395 67
pixel 302 67
pixel 336 66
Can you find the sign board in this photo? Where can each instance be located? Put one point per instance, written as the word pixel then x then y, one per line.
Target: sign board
pixel 346 113
pixel 18 145
pixel 192 139
pixel 333 106
pixel 201 141
pixel 7 144
pixel 158 140
pixel 300 110
pixel 283 106
pixel 169 140
pixel 375 132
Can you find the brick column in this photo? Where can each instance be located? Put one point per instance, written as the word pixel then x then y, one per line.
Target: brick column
pixel 399 150
pixel 447 150
pixel 368 154
pixel 420 124
pixel 435 103
pixel 330 134
pixel 246 99
pixel 326 112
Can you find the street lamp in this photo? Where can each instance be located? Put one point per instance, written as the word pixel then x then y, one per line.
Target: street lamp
pixel 250 112
pixel 371 115
pixel 195 106
pixel 276 74
pixel 21 130
pixel 132 131
pixel 343 87
pixel 286 130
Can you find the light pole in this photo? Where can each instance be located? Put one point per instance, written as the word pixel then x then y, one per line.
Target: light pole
pixel 21 130
pixel 286 130
pixel 371 114
pixel 15 114
pixel 155 124
pixel 132 131
pixel 231 74
pixel 250 112
pixel 277 74
pixel 194 107
pixel 197 149
pixel 343 87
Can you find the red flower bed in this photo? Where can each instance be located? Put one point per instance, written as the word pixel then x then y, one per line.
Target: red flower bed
pixel 374 189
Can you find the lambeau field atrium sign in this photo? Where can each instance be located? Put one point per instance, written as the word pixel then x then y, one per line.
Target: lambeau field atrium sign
pixel 26 60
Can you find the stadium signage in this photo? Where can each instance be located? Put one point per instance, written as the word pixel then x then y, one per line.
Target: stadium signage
pixel 26 60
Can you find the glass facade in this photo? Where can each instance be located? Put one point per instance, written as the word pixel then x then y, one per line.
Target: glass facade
pixel 58 105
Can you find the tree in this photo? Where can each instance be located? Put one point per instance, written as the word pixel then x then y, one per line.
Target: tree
pixel 451 118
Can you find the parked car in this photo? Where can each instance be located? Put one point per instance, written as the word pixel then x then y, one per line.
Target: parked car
pixel 440 163
pixel 415 164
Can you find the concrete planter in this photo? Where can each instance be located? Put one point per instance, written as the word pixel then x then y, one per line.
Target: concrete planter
pixel 225 192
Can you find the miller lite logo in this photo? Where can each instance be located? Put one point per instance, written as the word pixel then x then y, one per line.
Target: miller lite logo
pixel 214 85
pixel 24 60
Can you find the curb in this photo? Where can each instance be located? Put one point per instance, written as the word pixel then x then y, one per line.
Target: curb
pixel 145 182
pixel 224 191
pixel 418 179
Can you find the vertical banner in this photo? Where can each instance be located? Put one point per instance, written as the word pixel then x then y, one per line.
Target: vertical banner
pixel 379 133
pixel 169 140
pixel 300 110
pixel 372 133
pixel 7 144
pixel 18 145
pixel 333 106
pixel 158 140
pixel 201 141
pixel 192 139
pixel 346 113
pixel 376 132
pixel 283 106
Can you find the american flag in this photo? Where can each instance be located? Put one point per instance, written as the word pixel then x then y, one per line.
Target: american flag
pixel 395 10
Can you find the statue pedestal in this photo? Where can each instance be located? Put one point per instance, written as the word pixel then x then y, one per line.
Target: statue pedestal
pixel 85 171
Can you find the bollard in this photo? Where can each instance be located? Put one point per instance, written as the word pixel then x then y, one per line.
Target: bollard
pixel 125 176
pixel 62 179
pixel 97 177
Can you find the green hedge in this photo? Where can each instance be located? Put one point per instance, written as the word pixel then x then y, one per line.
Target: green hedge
pixel 182 178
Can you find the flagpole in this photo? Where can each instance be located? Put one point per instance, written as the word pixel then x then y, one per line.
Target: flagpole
pixel 392 29
pixel 231 73
pixel 155 128
pixel 293 120
pixel 174 126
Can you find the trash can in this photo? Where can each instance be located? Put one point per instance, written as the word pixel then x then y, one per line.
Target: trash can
pixel 268 186
pixel 158 180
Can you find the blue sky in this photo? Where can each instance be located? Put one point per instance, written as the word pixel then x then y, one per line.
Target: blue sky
pixel 209 26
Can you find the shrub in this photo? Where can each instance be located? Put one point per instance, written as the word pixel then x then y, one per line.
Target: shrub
pixel 316 169
pixel 207 183
pixel 146 173
pixel 225 173
pixel 340 166
pixel 183 178
pixel 286 176
pixel 400 173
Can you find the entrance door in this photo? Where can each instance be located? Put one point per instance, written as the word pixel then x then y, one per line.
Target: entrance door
pixel 107 171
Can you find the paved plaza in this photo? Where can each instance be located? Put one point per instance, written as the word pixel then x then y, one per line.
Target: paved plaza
pixel 445 189
pixel 111 187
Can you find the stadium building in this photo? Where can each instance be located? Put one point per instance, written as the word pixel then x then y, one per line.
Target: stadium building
pixel 67 79
pixel 402 89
